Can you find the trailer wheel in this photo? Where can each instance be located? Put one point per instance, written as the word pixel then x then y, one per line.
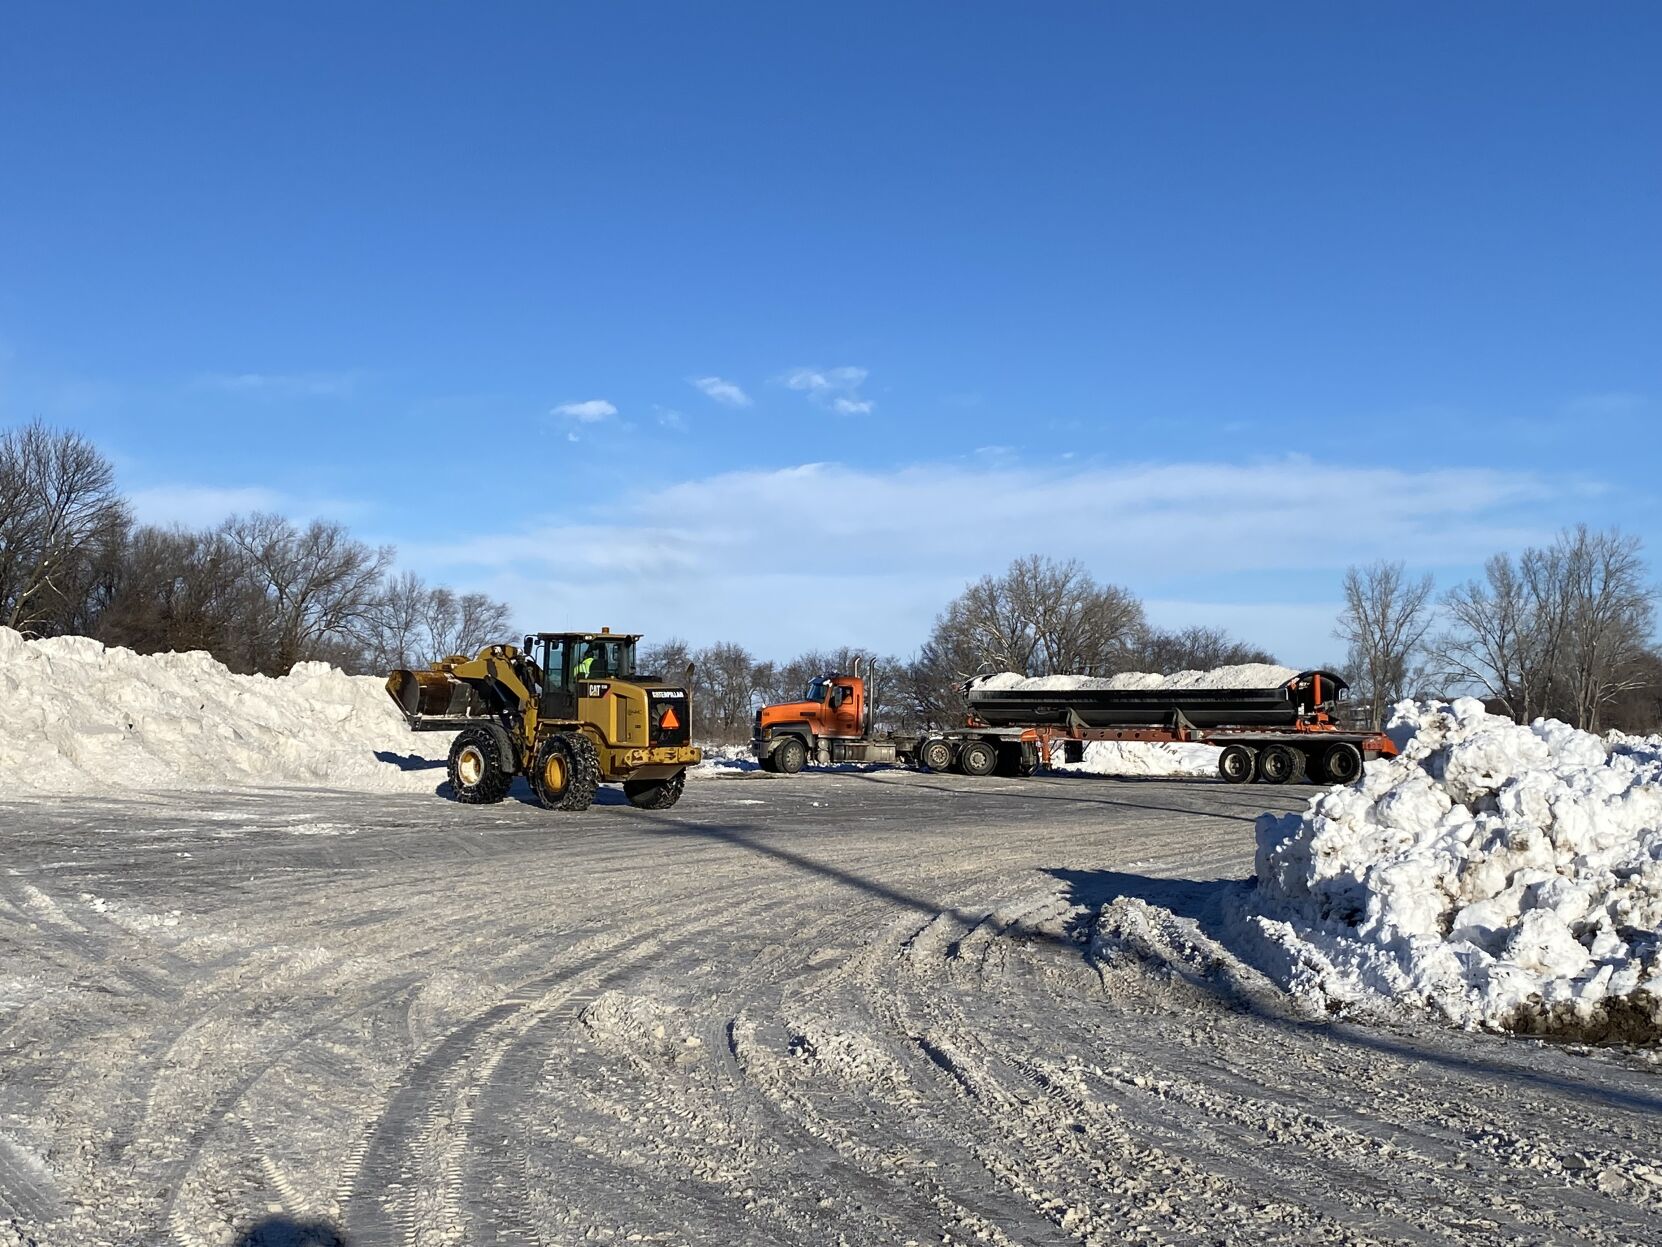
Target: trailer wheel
pixel 1236 764
pixel 791 756
pixel 479 774
pixel 936 754
pixel 1016 760
pixel 1277 764
pixel 1341 763
pixel 977 758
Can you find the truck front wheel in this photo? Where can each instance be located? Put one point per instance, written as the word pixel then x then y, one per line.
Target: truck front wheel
pixel 791 756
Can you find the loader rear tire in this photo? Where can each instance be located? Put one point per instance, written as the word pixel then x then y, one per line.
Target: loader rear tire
pixel 479 774
pixel 655 794
pixel 791 756
pixel 977 758
pixel 566 771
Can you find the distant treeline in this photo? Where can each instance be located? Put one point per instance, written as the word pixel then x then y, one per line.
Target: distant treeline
pixel 1566 630
pixel 258 592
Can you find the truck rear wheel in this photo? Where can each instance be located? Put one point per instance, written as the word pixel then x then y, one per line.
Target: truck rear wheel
pixel 566 771
pixel 479 774
pixel 977 758
pixel 1278 764
pixel 655 794
pixel 791 756
pixel 1013 761
pixel 1236 764
pixel 935 754
pixel 1341 763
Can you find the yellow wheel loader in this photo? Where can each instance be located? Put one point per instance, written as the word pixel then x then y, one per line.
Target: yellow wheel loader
pixel 568 711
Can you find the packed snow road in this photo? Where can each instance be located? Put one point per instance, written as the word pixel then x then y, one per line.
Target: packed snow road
pixel 855 1008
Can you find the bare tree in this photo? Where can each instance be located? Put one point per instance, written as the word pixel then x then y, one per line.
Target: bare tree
pixel 726 689
pixel 1385 619
pixel 1196 648
pixel 1494 641
pixel 316 584
pixel 1609 611
pixel 1563 631
pixel 60 514
pixel 1040 618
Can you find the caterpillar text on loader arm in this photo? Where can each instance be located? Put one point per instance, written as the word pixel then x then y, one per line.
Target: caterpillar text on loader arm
pixel 568 711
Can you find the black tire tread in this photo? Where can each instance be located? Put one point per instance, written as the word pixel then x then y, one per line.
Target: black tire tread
pixel 655 794
pixel 583 764
pixel 493 785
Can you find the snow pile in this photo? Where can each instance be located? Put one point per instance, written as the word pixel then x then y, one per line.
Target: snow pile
pixel 1501 875
pixel 76 716
pixel 1246 675
pixel 1117 757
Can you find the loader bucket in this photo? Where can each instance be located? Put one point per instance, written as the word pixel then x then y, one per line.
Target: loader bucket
pixel 432 694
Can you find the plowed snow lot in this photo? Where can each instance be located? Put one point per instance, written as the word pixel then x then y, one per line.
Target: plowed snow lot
pixel 859 1008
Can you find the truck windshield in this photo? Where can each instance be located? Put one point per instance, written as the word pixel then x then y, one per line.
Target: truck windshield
pixel 816 690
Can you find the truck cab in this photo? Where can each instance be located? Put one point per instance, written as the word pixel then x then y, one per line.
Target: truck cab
pixel 830 723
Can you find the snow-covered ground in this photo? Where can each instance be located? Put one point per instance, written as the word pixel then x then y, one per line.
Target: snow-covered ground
pixel 871 1008
pixel 1500 875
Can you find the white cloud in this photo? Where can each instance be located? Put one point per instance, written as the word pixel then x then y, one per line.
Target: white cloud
pixel 202 506
pixel 1605 406
pixel 589 411
pixel 727 393
pixel 879 553
pixel 280 385
pixel 836 388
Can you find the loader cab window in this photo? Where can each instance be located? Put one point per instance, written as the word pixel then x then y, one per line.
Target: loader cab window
pixel 603 659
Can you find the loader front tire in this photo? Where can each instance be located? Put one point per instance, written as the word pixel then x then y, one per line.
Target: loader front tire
pixel 566 771
pixel 479 774
pixel 655 794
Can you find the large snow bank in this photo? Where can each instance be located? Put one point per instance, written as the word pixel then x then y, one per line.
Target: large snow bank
pixel 1127 757
pixel 76 716
pixel 1503 876
pixel 1247 675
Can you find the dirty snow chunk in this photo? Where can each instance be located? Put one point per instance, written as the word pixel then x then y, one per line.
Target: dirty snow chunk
pixel 81 717
pixel 1500 875
pixel 1246 675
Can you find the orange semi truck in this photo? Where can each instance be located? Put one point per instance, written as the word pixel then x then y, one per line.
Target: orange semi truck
pixel 1273 735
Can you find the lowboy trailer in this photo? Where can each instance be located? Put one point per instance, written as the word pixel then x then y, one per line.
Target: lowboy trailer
pixel 1273 735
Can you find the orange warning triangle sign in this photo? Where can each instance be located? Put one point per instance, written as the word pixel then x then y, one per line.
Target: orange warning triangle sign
pixel 670 721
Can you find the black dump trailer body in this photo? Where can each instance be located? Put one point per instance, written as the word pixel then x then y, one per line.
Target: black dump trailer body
pixel 1285 706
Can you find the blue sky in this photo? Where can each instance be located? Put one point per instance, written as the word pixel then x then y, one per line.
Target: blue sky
pixel 781 322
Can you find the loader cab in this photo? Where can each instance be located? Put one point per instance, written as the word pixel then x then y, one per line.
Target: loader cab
pixel 570 659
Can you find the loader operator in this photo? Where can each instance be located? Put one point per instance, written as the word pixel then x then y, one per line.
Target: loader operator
pixel 585 666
